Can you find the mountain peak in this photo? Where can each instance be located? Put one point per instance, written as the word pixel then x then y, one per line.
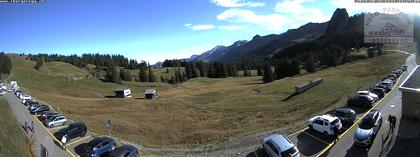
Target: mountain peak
pixel 256 37
pixel 337 21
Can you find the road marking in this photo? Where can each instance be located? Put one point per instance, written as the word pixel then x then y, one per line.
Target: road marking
pixel 355 123
pixel 78 140
pixel 316 138
pixel 298 132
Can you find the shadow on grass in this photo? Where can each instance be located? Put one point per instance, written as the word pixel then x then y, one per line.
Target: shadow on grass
pixel 290 96
pixel 260 152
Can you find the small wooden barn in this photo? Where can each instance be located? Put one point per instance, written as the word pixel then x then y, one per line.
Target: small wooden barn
pixel 122 92
pixel 150 94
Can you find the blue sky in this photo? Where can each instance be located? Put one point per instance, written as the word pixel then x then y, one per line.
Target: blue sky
pixel 151 30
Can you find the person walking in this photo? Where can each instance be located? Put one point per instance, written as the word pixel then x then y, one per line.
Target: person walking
pixel 63 141
pixel 392 121
pixel 33 127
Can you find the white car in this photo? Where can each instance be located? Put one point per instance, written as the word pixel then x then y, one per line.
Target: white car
pixel 55 121
pixel 2 92
pixel 279 146
pixel 367 93
pixel 325 124
pixel 24 96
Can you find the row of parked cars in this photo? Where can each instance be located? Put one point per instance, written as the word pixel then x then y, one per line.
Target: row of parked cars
pixel 331 124
pixel 365 99
pixel 100 146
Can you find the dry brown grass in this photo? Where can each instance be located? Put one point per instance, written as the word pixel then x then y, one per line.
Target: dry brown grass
pixel 200 110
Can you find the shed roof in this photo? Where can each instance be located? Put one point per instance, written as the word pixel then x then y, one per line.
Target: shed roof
pixel 412 82
pixel 121 89
pixel 150 91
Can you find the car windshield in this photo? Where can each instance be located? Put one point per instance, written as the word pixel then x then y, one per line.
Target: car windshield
pixel 366 123
pixel 334 122
pixel 289 152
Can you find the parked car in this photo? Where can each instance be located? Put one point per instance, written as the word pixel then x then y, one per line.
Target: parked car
pixel 26 98
pixel 2 92
pixel 27 103
pixel 388 85
pixel 279 146
pixel 39 109
pixel 360 101
pixel 391 78
pixel 368 128
pixel 23 95
pixel 47 115
pixel 124 151
pixel 55 121
pixel 369 94
pixel 346 115
pixel 404 67
pixel 386 89
pixel 325 124
pixel 380 92
pixel 99 146
pixel 74 130
pixel 33 105
pixel 393 75
pixel 398 72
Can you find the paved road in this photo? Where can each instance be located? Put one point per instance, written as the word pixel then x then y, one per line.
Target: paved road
pixel 41 136
pixel 311 143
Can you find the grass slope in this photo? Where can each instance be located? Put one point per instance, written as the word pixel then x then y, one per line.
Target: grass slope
pixel 201 110
pixel 12 139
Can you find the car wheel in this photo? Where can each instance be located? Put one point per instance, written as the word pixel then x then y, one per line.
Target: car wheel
pixel 326 134
pixel 310 127
pixel 64 123
pixel 83 134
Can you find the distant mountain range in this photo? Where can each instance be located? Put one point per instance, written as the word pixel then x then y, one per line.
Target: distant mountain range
pixel 261 46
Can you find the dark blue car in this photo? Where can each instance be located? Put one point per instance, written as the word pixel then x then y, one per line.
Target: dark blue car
pixel 124 151
pixel 100 146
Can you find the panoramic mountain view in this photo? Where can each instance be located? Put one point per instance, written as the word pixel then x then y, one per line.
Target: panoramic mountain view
pixel 216 78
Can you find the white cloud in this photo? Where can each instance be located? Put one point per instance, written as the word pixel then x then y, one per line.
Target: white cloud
pixel 202 27
pixel 301 13
pixel 231 27
pixel 199 27
pixel 354 8
pixel 272 22
pixel 236 3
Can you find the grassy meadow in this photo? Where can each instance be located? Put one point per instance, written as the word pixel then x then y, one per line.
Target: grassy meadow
pixel 12 140
pixel 201 110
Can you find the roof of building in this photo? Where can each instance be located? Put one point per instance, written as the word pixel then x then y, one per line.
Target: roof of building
pixel 121 89
pixel 412 82
pixel 150 91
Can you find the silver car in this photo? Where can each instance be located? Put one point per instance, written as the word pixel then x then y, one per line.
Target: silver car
pixel 279 146
pixel 368 128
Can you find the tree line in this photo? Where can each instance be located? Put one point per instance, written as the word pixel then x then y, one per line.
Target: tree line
pixel 5 64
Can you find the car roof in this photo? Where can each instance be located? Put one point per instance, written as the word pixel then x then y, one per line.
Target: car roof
pixel 98 140
pixel 119 150
pixel 345 110
pixel 328 117
pixel 371 114
pixel 281 141
pixel 363 91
